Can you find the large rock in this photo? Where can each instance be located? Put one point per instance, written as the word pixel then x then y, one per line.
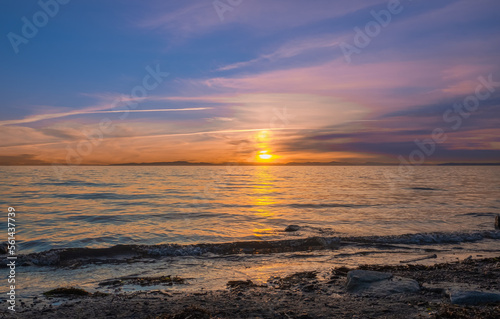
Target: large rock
pixel 291 228
pixel 472 297
pixel 359 279
pixel 377 283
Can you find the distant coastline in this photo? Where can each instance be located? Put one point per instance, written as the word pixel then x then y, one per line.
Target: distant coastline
pixel 186 163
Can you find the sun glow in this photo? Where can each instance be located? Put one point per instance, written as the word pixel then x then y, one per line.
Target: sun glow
pixel 262 138
pixel 264 156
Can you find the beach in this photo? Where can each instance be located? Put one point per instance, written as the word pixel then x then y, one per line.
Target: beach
pixel 312 294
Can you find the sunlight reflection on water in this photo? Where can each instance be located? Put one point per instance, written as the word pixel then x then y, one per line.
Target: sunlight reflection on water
pixel 105 206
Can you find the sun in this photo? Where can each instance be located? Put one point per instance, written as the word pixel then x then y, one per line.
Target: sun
pixel 263 136
pixel 263 155
pixel 262 143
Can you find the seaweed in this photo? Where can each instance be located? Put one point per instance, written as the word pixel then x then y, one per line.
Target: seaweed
pixel 66 292
pixel 240 284
pixel 188 313
pixel 144 281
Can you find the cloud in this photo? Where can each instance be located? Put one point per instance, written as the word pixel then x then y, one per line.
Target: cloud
pixel 22 159
pixel 42 117
pixel 288 50
pixel 364 146
pixel 199 18
pixel 19 135
pixel 223 119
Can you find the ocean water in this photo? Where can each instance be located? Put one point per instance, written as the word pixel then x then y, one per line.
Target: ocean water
pixel 213 223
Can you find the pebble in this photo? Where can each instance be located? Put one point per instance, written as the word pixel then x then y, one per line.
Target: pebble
pixel 291 228
pixel 460 297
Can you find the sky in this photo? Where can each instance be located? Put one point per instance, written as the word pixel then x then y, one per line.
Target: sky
pixel 268 81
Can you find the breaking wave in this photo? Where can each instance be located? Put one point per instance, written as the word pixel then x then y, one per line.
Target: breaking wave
pixel 128 253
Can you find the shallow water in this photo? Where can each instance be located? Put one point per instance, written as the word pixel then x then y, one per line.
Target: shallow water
pixel 105 206
pixel 163 211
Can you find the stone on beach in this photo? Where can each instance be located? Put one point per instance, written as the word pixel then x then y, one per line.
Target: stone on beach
pixel 240 284
pixel 377 283
pixel 291 228
pixel 4 248
pixel 461 297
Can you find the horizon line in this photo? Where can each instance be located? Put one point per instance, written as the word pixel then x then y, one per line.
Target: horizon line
pixel 331 163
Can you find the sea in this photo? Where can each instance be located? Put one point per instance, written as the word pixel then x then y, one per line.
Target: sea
pixel 87 225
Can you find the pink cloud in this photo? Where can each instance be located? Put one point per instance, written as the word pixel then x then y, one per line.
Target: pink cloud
pixel 262 16
pixel 288 50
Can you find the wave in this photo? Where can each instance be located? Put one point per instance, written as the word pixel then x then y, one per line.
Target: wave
pixel 69 256
pixel 424 189
pixel 114 196
pixel 479 214
pixel 128 253
pixel 427 238
pixel 77 183
pixel 326 205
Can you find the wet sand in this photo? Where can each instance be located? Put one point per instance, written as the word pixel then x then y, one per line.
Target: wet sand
pixel 302 295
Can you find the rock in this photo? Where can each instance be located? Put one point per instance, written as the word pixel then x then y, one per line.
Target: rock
pixel 444 287
pixel 472 297
pixel 290 228
pixel 316 242
pixel 359 278
pixel 3 247
pixel 309 288
pixel 379 284
pixel 240 284
pixel 66 292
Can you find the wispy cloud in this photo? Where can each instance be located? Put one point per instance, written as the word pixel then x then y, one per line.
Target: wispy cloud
pixel 42 117
pixel 200 18
pixel 148 136
pixel 289 50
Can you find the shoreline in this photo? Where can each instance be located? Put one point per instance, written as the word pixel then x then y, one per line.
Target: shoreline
pixel 410 291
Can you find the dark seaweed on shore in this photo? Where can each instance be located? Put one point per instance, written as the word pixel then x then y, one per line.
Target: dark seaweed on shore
pixel 144 281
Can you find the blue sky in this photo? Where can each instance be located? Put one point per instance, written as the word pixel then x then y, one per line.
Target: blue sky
pixel 247 78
